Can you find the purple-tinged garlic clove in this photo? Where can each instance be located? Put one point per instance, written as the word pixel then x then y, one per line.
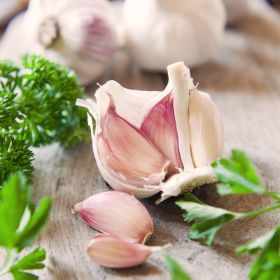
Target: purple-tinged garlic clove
pixel 113 252
pixel 118 214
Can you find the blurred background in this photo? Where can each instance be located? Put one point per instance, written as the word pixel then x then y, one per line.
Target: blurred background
pixel 88 36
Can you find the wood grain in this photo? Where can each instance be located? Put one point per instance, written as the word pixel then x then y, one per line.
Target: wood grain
pixel 244 80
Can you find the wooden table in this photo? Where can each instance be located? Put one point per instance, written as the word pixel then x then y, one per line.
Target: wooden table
pixel 244 81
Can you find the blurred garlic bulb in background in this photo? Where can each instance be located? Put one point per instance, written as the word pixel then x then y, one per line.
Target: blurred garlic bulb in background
pixel 160 32
pixel 239 9
pixel 145 142
pixel 9 8
pixel 236 9
pixel 81 35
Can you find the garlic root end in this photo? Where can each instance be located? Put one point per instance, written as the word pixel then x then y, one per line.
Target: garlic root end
pixel 186 181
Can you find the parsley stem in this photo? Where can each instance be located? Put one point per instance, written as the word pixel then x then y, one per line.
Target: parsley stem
pixel 10 259
pixel 274 195
pixel 261 211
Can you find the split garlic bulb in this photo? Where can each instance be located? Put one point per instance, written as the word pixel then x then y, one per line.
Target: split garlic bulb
pixel 160 32
pixel 145 142
pixel 81 35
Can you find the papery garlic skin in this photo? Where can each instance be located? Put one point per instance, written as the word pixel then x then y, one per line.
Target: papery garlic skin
pixel 133 150
pixel 118 214
pixel 112 252
pixel 81 35
pixel 206 129
pixel 160 32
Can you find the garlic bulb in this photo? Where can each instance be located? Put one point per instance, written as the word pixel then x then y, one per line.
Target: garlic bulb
pixel 161 32
pixel 81 35
pixel 9 8
pixel 118 214
pixel 112 252
pixel 149 141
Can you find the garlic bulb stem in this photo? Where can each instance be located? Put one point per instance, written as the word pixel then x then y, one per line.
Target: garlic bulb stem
pixel 48 32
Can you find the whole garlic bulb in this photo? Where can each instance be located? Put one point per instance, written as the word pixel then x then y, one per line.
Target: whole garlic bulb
pixel 151 141
pixel 161 32
pixel 78 34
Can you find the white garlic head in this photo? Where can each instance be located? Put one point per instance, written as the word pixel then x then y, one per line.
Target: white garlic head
pixel 161 32
pixel 78 34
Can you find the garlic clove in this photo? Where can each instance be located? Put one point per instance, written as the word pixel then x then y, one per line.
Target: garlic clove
pixel 118 214
pixel 112 252
pixel 160 126
pixel 131 105
pixel 181 83
pixel 206 129
pixel 135 157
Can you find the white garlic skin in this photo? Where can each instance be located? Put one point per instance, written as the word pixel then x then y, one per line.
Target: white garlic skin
pixel 78 34
pixel 161 32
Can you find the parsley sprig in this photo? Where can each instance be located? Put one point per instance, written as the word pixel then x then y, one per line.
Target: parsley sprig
pixel 237 176
pixel 37 107
pixel 21 224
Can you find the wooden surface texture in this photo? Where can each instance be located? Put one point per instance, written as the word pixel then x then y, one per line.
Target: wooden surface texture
pixel 244 81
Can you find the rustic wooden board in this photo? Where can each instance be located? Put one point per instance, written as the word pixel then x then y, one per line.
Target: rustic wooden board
pixel 244 80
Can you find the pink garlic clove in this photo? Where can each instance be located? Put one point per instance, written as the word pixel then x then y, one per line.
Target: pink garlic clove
pixel 117 213
pixel 160 126
pixel 112 252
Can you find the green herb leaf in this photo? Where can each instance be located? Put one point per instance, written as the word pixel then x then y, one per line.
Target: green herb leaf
pixel 36 224
pixel 176 271
pixel 19 275
pixel 20 226
pixel 15 198
pixel 31 261
pixel 237 175
pixel 15 155
pixel 267 265
pixel 208 220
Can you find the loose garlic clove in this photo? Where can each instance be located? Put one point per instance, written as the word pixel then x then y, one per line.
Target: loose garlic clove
pixel 144 138
pixel 118 214
pixel 112 252
pixel 206 129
